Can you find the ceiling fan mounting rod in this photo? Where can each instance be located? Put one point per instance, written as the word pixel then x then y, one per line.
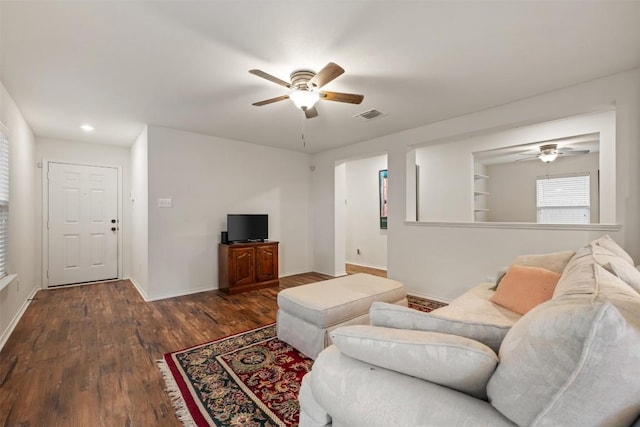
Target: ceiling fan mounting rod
pixel 548 147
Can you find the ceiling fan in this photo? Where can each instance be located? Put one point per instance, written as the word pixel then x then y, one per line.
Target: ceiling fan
pixel 306 86
pixel 549 152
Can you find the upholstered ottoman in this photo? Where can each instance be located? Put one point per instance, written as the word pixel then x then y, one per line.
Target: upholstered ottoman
pixel 307 313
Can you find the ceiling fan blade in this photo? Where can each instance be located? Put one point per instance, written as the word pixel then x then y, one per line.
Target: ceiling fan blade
pixel 324 76
pixel 270 101
pixel 351 98
pixel 572 152
pixel 310 113
pixel 271 78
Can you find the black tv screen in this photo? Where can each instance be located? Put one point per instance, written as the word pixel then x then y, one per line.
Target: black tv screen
pixel 247 227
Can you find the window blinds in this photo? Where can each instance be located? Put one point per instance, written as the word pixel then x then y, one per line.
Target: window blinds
pixel 4 203
pixel 563 199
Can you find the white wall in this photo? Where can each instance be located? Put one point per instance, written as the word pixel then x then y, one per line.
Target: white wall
pixel 89 154
pixel 340 218
pixel 139 201
pixel 22 235
pixel 512 186
pixel 444 260
pixel 445 182
pixel 207 178
pixel 362 217
pixel 446 179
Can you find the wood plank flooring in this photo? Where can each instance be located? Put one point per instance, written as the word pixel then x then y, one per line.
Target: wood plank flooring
pixel 86 355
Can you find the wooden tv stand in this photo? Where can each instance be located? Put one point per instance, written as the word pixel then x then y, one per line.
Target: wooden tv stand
pixel 247 266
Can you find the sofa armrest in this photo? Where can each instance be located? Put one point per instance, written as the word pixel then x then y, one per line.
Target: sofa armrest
pixel 393 316
pixel 356 394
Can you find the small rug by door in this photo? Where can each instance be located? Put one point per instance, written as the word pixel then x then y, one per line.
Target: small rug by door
pixel 248 379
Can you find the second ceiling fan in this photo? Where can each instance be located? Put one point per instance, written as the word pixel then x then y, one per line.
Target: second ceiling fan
pixel 306 86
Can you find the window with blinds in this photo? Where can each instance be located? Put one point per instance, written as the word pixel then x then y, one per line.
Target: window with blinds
pixel 563 199
pixel 4 202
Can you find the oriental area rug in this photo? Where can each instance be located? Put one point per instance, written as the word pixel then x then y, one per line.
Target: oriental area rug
pixel 247 379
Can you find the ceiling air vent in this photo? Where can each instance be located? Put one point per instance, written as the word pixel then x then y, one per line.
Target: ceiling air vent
pixel 369 114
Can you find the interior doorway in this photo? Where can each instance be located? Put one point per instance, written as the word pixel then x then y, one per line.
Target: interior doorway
pixel 360 237
pixel 81 223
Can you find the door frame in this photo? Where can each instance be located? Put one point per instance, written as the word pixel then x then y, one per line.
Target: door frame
pixel 45 213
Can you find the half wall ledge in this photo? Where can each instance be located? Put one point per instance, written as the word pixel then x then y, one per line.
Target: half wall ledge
pixel 517 225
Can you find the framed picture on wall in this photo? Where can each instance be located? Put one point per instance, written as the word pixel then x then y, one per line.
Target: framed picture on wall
pixel 383 186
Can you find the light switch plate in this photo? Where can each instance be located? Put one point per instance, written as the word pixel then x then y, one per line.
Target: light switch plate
pixel 165 203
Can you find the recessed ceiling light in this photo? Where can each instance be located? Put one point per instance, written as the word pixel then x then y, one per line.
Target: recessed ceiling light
pixel 87 128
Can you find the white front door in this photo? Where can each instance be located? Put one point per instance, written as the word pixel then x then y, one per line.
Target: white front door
pixel 82 223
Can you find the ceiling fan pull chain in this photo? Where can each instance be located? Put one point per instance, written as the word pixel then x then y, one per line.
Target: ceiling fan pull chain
pixel 304 142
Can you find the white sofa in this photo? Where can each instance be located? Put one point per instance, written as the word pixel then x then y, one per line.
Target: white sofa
pixel 573 360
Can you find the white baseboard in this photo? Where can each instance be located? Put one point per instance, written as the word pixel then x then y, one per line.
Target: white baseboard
pixel 147 298
pixel 182 293
pixel 141 291
pixel 14 322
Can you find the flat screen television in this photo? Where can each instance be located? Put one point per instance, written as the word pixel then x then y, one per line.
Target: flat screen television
pixel 247 227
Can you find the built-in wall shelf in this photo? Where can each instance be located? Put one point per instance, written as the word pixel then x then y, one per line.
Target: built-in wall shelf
pixel 480 194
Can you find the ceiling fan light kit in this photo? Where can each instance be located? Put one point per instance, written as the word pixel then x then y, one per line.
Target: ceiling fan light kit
pixel 548 153
pixel 304 99
pixel 548 157
pixel 306 85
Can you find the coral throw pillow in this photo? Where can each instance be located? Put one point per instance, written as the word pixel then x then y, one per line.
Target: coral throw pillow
pixel 523 288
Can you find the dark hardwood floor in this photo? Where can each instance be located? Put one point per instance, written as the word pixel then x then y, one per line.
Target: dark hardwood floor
pixel 86 355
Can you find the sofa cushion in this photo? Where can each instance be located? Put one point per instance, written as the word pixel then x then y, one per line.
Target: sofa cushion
pixel 567 362
pixel 555 261
pixel 584 277
pixel 580 277
pixel 622 296
pixel 449 360
pixel 523 288
pixel 611 245
pixel 616 265
pixel 474 306
pixel 395 316
pixel 627 273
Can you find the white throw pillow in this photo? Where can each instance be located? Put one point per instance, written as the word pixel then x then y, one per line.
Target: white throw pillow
pixel 395 316
pixel 569 362
pixel 449 360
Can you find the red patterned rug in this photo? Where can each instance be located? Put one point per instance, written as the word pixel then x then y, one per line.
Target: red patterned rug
pixel 423 304
pixel 248 379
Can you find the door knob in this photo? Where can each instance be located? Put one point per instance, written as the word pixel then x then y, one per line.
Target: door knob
pixel 113 229
pixel 113 221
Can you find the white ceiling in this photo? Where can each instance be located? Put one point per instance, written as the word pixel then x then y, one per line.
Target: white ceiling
pixel 184 65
